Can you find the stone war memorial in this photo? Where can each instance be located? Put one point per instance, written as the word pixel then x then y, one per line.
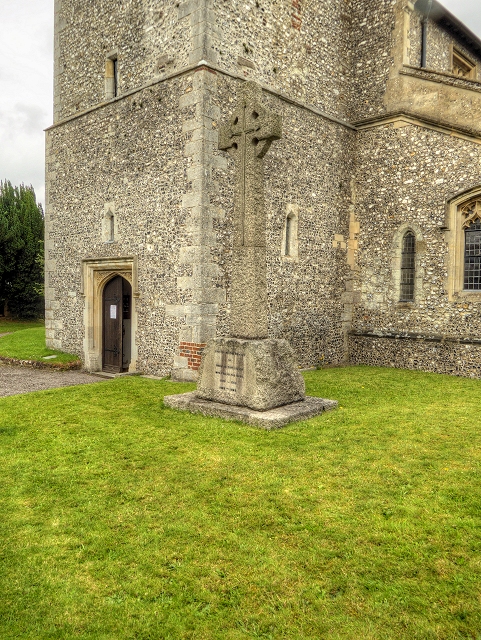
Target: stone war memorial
pixel 240 190
pixel 256 376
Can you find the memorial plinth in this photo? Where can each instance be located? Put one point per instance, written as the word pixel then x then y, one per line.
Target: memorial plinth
pixel 248 376
pixel 259 374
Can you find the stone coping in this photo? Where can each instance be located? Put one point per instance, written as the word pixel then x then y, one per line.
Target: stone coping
pixel 271 419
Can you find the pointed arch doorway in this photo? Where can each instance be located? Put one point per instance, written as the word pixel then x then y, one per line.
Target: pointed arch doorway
pixel 116 325
pixel 97 273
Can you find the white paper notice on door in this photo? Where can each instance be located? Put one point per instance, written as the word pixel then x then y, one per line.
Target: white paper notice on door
pixel 113 312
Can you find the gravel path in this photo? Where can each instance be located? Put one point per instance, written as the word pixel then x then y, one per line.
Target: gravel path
pixel 16 380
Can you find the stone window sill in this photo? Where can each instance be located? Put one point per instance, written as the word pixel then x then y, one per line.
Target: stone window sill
pixel 441 76
pixel 470 294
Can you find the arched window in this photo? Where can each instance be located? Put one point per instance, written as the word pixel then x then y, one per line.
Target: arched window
pixel 109 224
pixel 408 267
pixel 472 245
pixel 289 247
pixel 463 234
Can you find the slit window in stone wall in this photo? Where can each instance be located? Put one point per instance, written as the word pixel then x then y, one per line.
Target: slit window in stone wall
pixel 287 247
pixel 116 76
pixel 112 228
pixel 111 77
pixel 290 243
pixel 408 267
pixel 462 66
pixel 109 224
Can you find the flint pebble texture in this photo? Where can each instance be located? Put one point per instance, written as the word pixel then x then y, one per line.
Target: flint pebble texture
pixel 371 145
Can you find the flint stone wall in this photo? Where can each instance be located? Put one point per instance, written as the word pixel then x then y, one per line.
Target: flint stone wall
pixel 436 355
pixel 150 38
pixel 406 177
pixel 154 154
pixel 297 48
pixel 438 50
pixel 148 177
pixel 95 160
pixel 308 167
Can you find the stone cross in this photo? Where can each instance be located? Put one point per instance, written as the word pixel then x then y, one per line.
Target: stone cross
pixel 248 136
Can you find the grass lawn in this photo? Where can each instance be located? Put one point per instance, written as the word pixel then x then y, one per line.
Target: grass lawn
pixel 29 344
pixel 124 520
pixel 8 326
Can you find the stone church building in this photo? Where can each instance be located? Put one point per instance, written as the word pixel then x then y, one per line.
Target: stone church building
pixel 372 194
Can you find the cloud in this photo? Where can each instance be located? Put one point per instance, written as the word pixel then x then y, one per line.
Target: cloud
pixel 22 147
pixel 26 83
pixel 28 119
pixel 25 90
pixel 467 11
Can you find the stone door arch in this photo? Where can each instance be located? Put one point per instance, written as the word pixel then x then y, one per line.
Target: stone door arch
pixel 96 275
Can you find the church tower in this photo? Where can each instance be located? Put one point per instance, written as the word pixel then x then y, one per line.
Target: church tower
pixel 364 192
pixel 139 190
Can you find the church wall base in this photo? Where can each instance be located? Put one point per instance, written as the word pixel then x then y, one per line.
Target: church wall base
pixel 434 355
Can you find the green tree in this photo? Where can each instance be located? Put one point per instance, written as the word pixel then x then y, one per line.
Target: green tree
pixel 21 251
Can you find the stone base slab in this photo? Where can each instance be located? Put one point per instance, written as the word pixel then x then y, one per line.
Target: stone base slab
pixel 270 419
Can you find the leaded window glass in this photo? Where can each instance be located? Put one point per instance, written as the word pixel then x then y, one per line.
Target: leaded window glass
pixel 408 267
pixel 472 256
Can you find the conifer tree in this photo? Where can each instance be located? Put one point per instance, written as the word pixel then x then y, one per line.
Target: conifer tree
pixel 21 251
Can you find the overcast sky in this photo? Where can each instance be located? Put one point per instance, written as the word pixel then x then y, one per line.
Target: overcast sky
pixel 26 69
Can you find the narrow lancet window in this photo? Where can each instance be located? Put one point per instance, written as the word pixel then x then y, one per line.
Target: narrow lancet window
pixel 112 228
pixel 111 78
pixel 424 42
pixel 287 248
pixel 472 256
pixel 408 267
pixel 116 77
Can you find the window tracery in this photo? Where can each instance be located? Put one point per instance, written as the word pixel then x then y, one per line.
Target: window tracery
pixel 471 212
pixel 462 66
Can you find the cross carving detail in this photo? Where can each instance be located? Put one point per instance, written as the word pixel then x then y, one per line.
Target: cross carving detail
pixel 249 134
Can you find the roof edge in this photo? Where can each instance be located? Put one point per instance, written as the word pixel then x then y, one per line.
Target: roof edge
pixel 438 13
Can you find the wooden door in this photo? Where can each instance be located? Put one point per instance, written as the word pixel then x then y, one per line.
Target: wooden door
pixel 112 326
